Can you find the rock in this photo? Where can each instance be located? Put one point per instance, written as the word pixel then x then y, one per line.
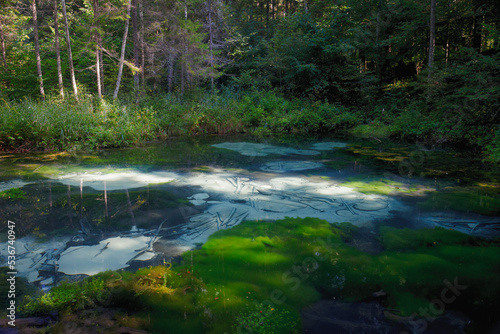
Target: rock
pixel 333 316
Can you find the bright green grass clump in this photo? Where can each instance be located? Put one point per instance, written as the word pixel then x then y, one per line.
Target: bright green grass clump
pixel 382 186
pixel 258 275
pixel 12 194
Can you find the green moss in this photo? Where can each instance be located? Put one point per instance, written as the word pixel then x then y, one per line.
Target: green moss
pixel 258 275
pixel 394 239
pixel 13 194
pixel 382 186
pixel 469 199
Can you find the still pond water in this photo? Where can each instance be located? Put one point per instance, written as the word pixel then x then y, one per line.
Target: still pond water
pixel 83 213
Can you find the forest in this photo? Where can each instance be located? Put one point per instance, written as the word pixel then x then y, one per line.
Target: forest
pixel 110 73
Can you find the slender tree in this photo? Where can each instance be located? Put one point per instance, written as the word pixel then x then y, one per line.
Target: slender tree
pixel 58 50
pixel 141 42
pixel 122 55
pixel 210 41
pixel 37 48
pixel 135 26
pixel 4 51
pixel 432 36
pixel 70 55
pixel 98 47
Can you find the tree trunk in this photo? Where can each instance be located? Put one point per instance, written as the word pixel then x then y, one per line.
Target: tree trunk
pixel 211 42
pixel 141 42
pixel 58 50
pixel 170 66
pixel 267 13
pixel 377 61
pixel 122 55
pixel 432 36
pixel 4 52
pixel 70 55
pixel 37 48
pixel 97 49
pixel 135 26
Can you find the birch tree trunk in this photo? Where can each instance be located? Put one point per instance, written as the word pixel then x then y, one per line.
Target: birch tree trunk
pixel 122 55
pixel 135 25
pixel 70 55
pixel 4 51
pixel 97 49
pixel 37 48
pixel 58 50
pixel 141 42
pixel 211 45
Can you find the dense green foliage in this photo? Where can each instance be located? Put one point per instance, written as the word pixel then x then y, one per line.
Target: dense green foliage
pixel 338 63
pixel 90 124
pixel 259 275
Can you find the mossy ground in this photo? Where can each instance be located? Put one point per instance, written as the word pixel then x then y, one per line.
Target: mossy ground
pixel 242 275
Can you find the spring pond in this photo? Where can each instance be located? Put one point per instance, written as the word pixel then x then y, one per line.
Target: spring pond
pixel 79 214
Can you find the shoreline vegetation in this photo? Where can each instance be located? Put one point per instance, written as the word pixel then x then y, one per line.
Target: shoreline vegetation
pixel 115 73
pixel 90 123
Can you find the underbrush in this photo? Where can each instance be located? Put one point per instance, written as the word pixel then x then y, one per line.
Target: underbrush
pixel 88 124
pixel 257 276
pixel 55 125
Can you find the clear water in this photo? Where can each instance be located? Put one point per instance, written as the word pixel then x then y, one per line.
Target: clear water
pixel 175 194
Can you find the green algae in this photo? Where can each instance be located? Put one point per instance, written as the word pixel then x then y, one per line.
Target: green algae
pixel 381 186
pixel 13 194
pixel 286 265
pixel 483 200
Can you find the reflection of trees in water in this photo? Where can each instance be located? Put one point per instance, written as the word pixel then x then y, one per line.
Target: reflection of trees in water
pixel 52 206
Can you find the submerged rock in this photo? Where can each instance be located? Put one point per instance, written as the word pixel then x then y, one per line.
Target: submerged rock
pixel 333 316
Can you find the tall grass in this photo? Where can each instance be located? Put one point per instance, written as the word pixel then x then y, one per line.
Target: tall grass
pixel 90 123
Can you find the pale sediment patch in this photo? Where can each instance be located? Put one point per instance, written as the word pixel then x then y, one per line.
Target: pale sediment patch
pixel 110 254
pixel 277 198
pixel 32 254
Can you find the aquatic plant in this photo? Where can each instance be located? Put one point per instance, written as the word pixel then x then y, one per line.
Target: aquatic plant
pixel 280 267
pixel 477 199
pixel 66 297
pixel 266 319
pixel 13 194
pixel 380 186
